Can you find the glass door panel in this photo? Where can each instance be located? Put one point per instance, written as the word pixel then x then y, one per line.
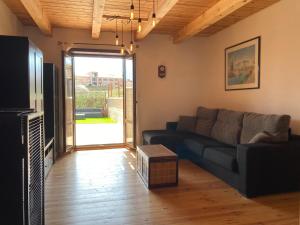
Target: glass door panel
pixel 129 107
pixel 69 102
pixel 99 116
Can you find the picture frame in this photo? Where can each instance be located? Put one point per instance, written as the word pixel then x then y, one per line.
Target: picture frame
pixel 242 65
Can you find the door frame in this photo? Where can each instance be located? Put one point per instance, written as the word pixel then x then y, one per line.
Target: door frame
pixel 65 150
pixel 84 52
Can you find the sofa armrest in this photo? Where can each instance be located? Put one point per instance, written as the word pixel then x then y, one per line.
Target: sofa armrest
pixel 172 126
pixel 268 168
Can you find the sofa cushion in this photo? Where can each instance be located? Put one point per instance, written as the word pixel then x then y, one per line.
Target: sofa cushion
pixel 206 119
pixel 149 134
pixel 186 123
pixel 277 125
pixel 197 145
pixel 222 156
pixel 155 136
pixel 170 139
pixel 152 136
pixel 228 126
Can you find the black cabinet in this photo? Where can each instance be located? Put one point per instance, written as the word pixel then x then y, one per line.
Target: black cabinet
pixel 21 72
pixel 22 168
pixel 50 113
pixel 21 132
pixel 49 100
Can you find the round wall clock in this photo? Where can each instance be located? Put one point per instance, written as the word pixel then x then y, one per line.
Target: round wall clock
pixel 162 71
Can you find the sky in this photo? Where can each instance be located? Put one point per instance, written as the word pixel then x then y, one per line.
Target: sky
pixel 106 67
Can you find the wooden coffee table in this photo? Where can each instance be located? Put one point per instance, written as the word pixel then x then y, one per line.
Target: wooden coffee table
pixel 157 166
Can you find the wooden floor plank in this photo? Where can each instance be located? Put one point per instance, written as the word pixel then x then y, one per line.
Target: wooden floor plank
pixel 102 187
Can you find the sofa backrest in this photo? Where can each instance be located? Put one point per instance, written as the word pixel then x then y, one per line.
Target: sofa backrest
pixel 254 123
pixel 233 127
pixel 228 126
pixel 206 119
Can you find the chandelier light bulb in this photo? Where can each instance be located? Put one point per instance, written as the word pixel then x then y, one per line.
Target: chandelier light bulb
pixel 140 25
pixel 153 19
pixel 132 12
pixel 131 46
pixel 153 22
pixel 117 40
pixel 122 50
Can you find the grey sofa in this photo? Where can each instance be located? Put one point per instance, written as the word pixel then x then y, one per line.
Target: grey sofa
pixel 254 153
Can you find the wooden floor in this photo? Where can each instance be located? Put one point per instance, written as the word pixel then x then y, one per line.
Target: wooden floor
pixel 102 187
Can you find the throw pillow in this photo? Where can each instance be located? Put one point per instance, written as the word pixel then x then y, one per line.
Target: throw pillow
pixel 186 123
pixel 262 137
pixel 254 123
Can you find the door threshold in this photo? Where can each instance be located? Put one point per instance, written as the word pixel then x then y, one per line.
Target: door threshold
pixel 99 147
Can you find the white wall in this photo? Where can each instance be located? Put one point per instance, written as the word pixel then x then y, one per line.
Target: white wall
pixel 162 100
pixel 279 28
pixel 9 24
pixel 159 100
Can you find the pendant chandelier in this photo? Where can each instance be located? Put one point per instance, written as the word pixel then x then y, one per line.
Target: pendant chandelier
pixel 130 21
pixel 118 42
pixel 139 19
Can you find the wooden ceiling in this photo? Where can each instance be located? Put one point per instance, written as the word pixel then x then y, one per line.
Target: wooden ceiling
pixel 180 18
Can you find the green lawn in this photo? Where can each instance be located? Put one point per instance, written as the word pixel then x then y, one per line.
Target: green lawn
pixel 105 120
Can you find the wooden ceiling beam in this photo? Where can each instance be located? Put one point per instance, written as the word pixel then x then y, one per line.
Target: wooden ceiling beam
pixel 97 18
pixel 162 10
pixel 35 10
pixel 217 12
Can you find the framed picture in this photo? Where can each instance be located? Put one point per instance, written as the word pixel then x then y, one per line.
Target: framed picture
pixel 242 65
